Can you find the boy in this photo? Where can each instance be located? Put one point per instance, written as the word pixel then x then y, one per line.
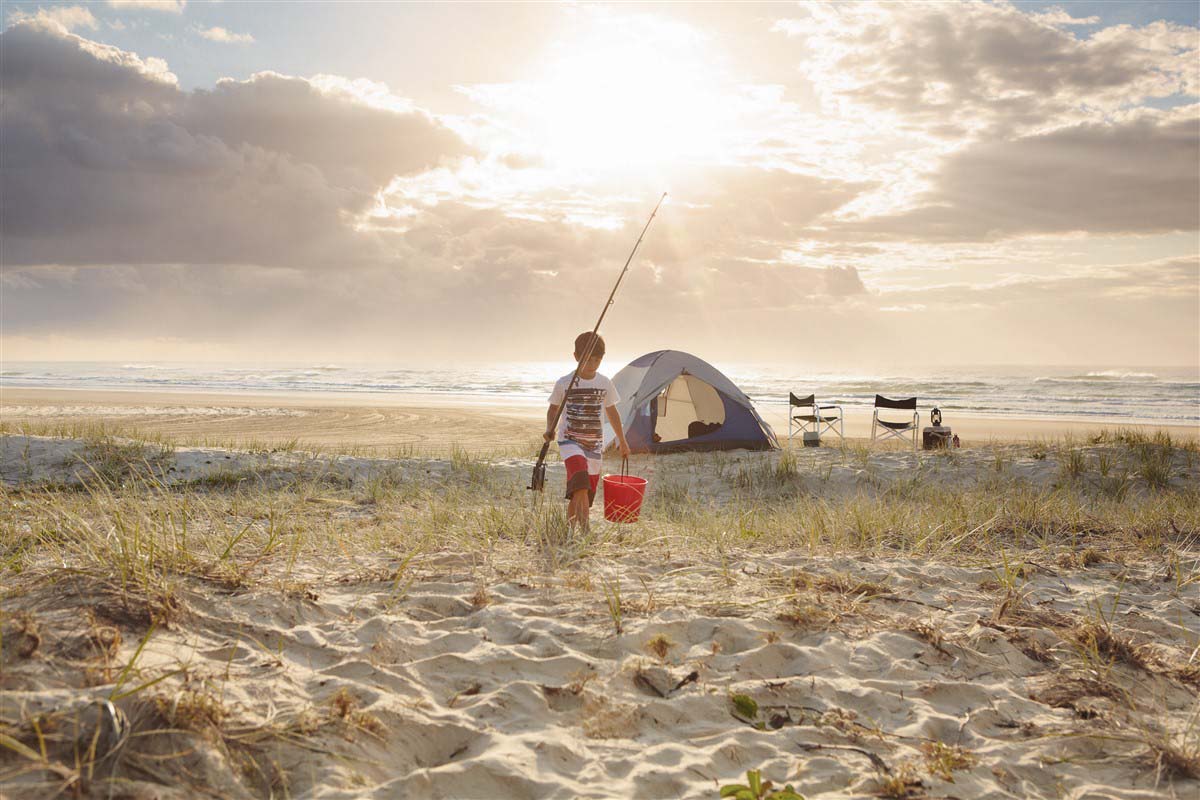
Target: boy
pixel 580 434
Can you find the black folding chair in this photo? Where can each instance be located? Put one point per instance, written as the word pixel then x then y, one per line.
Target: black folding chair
pixel 886 428
pixel 815 420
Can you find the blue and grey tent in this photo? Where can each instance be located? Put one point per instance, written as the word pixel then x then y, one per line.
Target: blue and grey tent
pixel 673 402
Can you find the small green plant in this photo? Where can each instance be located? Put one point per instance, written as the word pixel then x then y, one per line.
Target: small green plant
pixel 1155 466
pixel 787 467
pixel 670 499
pixel 612 599
pixel 1010 575
pixel 745 709
pixel 1074 464
pixel 755 788
pixel 402 578
pixel 1116 486
pixel 111 463
pixel 377 488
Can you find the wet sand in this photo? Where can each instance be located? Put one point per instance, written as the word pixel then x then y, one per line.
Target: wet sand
pixel 386 423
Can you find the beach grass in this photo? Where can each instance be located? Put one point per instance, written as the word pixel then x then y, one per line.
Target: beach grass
pixel 141 553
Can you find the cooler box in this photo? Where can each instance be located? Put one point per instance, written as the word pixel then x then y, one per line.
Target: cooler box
pixel 812 439
pixel 935 436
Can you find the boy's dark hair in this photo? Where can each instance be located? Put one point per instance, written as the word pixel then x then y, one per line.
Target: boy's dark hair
pixel 584 339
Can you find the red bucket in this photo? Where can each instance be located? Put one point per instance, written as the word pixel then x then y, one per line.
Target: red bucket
pixel 623 497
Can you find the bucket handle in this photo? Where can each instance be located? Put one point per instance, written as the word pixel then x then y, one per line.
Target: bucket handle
pixel 624 466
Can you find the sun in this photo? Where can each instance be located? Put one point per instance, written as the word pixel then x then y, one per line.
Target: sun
pixel 616 98
pixel 626 104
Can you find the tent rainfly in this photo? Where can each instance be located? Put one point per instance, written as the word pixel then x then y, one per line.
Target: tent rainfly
pixel 673 402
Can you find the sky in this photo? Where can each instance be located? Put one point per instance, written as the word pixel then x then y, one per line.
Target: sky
pixel 850 185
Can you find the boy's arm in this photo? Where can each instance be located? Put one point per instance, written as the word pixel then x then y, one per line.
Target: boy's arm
pixel 550 415
pixel 614 419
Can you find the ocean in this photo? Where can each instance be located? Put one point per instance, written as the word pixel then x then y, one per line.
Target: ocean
pixel 1165 395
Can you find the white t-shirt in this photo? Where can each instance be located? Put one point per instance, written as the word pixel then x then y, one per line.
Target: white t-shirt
pixel 581 420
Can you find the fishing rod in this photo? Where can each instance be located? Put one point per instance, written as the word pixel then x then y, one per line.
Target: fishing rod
pixel 538 482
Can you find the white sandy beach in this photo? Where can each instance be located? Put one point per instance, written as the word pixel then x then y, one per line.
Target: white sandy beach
pixel 499 668
pixel 286 288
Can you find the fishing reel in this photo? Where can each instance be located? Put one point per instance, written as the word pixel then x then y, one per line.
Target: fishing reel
pixel 538 482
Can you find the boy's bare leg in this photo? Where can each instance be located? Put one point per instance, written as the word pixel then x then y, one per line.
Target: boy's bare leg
pixel 578 510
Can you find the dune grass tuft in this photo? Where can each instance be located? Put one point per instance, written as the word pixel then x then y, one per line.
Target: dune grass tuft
pixel 136 551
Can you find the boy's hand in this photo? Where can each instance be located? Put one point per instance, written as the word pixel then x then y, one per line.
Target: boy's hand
pixel 624 445
pixel 547 436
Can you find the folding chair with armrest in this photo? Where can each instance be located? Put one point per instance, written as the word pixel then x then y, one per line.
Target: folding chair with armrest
pixel 886 428
pixel 817 420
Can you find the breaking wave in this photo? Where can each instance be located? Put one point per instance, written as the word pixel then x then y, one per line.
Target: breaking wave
pixel 1130 394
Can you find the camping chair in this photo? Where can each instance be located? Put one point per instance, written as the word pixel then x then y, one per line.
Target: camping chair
pixel 897 429
pixel 817 421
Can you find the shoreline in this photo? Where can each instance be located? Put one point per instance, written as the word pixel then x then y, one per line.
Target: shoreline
pixel 379 420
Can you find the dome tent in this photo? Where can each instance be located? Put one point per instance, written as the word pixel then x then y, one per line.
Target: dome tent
pixel 673 402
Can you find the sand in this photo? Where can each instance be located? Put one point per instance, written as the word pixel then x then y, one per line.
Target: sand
pixel 433 423
pixel 499 670
pixel 530 693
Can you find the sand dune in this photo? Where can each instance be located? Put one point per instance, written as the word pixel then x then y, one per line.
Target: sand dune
pixel 348 626
pixel 528 692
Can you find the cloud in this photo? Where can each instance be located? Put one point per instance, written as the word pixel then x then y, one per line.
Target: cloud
pixel 1140 312
pixel 107 161
pixel 168 6
pixel 1134 177
pixel 1056 15
pixel 360 142
pixel 66 17
pixel 744 213
pixel 1077 291
pixel 220 195
pixel 951 68
pixel 285 212
pixel 219 34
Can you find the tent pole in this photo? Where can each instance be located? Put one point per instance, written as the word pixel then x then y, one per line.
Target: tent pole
pixel 538 482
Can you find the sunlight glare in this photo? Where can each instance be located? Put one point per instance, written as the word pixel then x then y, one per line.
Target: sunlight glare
pixel 623 99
